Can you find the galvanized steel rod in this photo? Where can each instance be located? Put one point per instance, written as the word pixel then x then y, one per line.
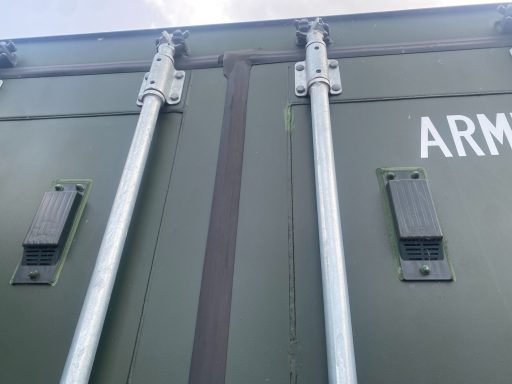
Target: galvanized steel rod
pixel 338 327
pixel 88 330
pixel 90 324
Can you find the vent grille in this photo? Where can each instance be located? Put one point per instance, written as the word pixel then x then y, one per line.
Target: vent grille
pixel 40 256
pixel 421 249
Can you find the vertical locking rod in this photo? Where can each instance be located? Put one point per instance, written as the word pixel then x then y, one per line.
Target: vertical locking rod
pixel 90 324
pixel 338 327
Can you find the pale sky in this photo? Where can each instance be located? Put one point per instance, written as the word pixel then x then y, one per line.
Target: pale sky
pixel 30 18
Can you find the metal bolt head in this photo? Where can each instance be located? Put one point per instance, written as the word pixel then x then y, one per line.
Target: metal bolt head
pixel 425 270
pixel 300 89
pixel 299 67
pixel 333 64
pixel 33 275
pixel 390 176
pixel 179 75
pixel 336 87
pixel 80 187
pixel 415 175
pixel 174 96
pixel 59 187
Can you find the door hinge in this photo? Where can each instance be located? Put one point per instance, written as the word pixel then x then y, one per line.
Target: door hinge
pixel 304 77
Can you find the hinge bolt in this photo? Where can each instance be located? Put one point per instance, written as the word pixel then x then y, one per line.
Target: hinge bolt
pixel 174 96
pixel 179 75
pixel 425 270
pixel 301 89
pixel 333 64
pixel 59 187
pixel 299 67
pixel 336 87
pixel 80 187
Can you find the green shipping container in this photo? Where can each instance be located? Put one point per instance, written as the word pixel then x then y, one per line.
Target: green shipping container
pixel 220 279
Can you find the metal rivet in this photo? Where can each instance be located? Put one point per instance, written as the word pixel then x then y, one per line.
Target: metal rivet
pixel 300 89
pixel 59 187
pixel 333 64
pixel 179 75
pixel 174 96
pixel 159 59
pixel 425 270
pixel 33 275
pixel 317 47
pixel 299 67
pixel 390 175
pixel 318 70
pixel 415 175
pixel 80 187
pixel 336 87
pixel 152 82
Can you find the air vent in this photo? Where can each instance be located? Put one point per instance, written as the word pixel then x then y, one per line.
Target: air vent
pixel 49 236
pixel 417 231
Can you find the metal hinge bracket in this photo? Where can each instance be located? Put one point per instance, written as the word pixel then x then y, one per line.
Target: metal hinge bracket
pixel 301 82
pixel 173 91
pixel 156 81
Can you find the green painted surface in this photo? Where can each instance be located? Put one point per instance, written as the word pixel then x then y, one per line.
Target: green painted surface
pixel 435 73
pixel 44 318
pixel 70 95
pixel 116 348
pixel 38 321
pixel 451 332
pixel 404 332
pixel 166 334
pixel 259 327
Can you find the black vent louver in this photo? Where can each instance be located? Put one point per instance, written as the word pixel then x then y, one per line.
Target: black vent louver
pixel 40 256
pixel 420 249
